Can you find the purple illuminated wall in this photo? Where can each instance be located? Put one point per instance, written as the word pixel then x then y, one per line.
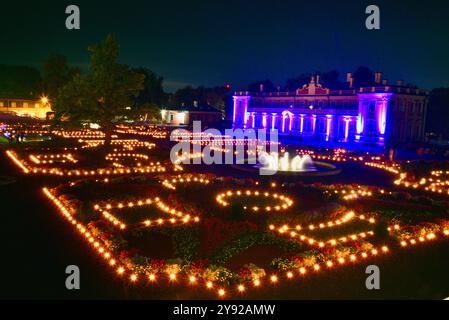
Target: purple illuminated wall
pixel 366 123
pixel 372 116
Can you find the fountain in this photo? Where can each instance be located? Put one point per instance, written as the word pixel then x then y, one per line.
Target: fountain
pixel 272 162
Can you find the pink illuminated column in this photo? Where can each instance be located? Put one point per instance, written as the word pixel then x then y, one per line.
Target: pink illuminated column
pixel 287 114
pixel 247 115
pixel 313 123
pixel 240 114
pixel 382 115
pixel 301 123
pixel 284 116
pixel 264 120
pixel 328 126
pixel 234 114
pixel 347 120
pixel 273 121
pixel 359 124
pixel 373 106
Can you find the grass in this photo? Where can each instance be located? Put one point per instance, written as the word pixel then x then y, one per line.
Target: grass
pixel 3 141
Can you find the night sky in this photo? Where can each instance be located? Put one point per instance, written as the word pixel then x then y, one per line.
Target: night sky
pixel 216 42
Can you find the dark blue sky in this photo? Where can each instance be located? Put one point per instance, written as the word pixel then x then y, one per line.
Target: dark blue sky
pixel 215 42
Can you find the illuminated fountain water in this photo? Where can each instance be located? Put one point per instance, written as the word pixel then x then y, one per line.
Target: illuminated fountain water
pixel 274 162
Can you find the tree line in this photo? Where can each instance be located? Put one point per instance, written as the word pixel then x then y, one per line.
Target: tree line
pixel 110 91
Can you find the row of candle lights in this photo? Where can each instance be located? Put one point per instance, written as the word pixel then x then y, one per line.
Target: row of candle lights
pixel 242 287
pixel 152 168
pixel 297 233
pixel 80 134
pixel 285 201
pixel 152 131
pixel 171 183
pixel 51 158
pixel 181 217
pixel 126 144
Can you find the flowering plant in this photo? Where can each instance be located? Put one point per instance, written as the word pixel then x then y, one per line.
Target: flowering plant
pixel 157 265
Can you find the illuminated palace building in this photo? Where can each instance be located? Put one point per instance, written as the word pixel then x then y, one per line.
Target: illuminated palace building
pixel 379 114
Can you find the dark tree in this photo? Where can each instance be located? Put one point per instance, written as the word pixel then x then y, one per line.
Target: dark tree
pixel 298 82
pixel 105 94
pixel 363 77
pixel 147 104
pixel 152 92
pixel 56 73
pixel 216 96
pixel 331 80
pixel 185 96
pixel 438 112
pixel 268 86
pixel 20 82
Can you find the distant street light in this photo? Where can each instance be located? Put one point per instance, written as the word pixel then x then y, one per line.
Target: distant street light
pixel 44 100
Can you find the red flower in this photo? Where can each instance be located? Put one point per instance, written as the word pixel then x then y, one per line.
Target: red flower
pixel 244 273
pixel 297 259
pixel 199 266
pixel 126 254
pixel 158 264
pixel 218 231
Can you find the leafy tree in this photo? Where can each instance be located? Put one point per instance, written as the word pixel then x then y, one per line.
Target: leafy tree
pixel 438 112
pixel 148 102
pixel 152 91
pixel 297 82
pixel 185 95
pixel 215 96
pixel 56 73
pixel 331 79
pixel 363 77
pixel 104 94
pixel 268 86
pixel 146 111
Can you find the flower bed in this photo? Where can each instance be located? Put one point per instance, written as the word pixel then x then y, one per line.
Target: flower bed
pixel 223 233
pixel 221 251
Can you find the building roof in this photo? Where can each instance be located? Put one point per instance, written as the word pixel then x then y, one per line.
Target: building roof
pixel 192 108
pixel 316 89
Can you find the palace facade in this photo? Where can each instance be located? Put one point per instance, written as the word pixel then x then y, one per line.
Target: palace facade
pixel 381 114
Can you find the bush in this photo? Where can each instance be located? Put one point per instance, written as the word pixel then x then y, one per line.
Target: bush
pixel 249 240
